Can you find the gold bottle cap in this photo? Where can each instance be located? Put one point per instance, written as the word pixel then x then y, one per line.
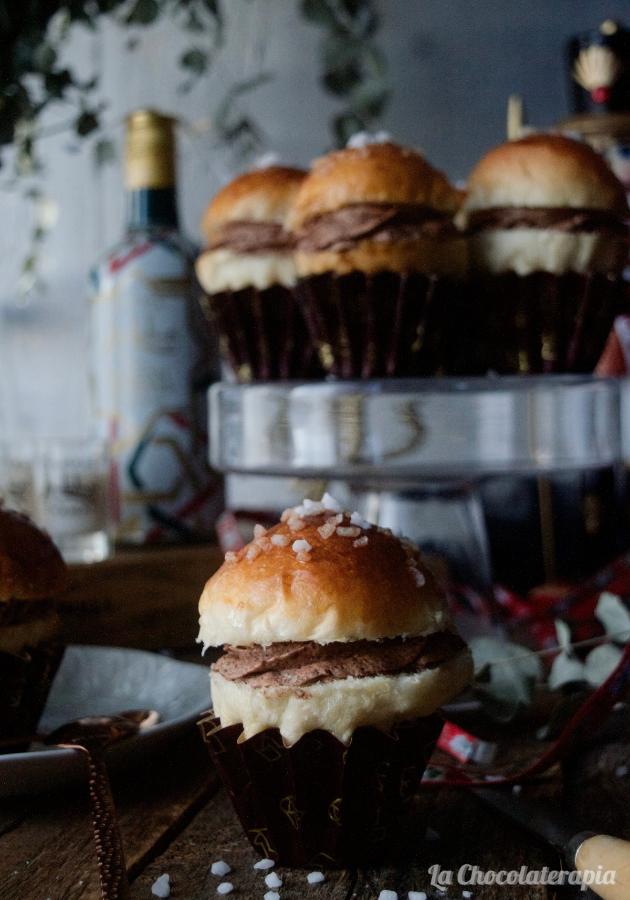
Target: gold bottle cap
pixel 149 151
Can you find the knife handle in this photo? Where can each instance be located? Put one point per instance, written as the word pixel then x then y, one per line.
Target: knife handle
pixel 601 854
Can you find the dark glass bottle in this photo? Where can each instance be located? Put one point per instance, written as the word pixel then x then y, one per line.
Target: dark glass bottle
pixel 150 353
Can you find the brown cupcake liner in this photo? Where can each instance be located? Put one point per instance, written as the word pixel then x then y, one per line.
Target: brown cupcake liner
pixel 262 334
pixel 25 681
pixel 321 803
pixel 543 323
pixel 387 324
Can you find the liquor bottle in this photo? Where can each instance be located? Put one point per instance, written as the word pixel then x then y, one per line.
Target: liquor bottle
pixel 151 358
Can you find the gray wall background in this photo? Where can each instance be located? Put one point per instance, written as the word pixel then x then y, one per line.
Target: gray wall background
pixel 453 65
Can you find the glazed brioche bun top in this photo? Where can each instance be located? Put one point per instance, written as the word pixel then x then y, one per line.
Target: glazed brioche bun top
pixel 342 593
pixel 375 173
pixel 31 567
pixel 262 195
pixel 545 170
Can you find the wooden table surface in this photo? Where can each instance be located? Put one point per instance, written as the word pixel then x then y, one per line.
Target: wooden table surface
pixel 175 818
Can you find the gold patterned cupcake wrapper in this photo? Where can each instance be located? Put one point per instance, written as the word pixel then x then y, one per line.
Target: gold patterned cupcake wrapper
pixel 387 324
pixel 320 803
pixel 262 334
pixel 543 323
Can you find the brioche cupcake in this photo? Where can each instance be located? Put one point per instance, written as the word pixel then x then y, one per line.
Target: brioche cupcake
pixel 339 651
pixel 547 221
pixel 32 572
pixel 378 256
pixel 248 273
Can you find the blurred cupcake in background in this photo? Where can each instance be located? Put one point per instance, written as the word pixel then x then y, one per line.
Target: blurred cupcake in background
pixel 248 273
pixel 548 230
pixel 32 573
pixel 378 257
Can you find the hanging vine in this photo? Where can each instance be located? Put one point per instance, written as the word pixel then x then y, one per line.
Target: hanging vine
pixel 33 78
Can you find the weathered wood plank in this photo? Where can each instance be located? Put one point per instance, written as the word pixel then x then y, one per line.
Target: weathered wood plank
pixel 146 599
pixel 468 833
pixel 49 853
pixel 215 835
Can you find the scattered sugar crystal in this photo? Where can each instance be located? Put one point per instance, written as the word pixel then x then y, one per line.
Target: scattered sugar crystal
pixel 286 514
pixel 388 895
pixel 280 540
pixel 516 789
pixel 621 771
pixel 327 530
pixel 466 894
pixel 272 880
pixel 225 887
pixel 364 139
pixel 161 887
pixel 230 557
pixel 253 551
pixel 361 542
pixel 301 545
pixel 310 508
pixel 303 556
pixel 432 835
pixel 329 502
pixel 357 519
pixel 259 530
pixel 220 868
pixel 271 895
pixel 350 531
pixel 315 877
pixel 296 523
pixel 264 864
pixel 263 542
pixel 417 895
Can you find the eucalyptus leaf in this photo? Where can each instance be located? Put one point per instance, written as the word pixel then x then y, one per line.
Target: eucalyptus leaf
pixel 614 616
pixel 345 125
pixel 194 60
pixel 320 12
pixel 104 152
pixel 86 123
pixel 44 58
pixel 601 663
pixel 369 97
pixel 143 12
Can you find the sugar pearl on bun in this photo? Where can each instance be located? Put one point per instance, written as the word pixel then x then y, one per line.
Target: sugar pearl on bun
pixel 347 590
pixel 381 174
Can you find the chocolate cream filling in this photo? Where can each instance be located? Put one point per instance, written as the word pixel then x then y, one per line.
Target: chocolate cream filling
pixel 253 237
pixel 558 218
pixel 344 228
pixel 299 663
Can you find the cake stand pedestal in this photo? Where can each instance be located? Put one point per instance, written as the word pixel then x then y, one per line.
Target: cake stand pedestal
pixel 415 450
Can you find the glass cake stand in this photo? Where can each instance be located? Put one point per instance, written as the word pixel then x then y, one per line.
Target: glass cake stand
pixel 414 450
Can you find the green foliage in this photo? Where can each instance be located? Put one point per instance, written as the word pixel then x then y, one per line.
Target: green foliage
pixel 31 77
pixel 31 35
pixel 353 68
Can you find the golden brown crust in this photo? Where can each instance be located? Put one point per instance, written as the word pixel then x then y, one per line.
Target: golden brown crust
pixel 341 593
pixel 376 173
pixel 431 256
pixel 545 170
pixel 31 567
pixel 262 195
